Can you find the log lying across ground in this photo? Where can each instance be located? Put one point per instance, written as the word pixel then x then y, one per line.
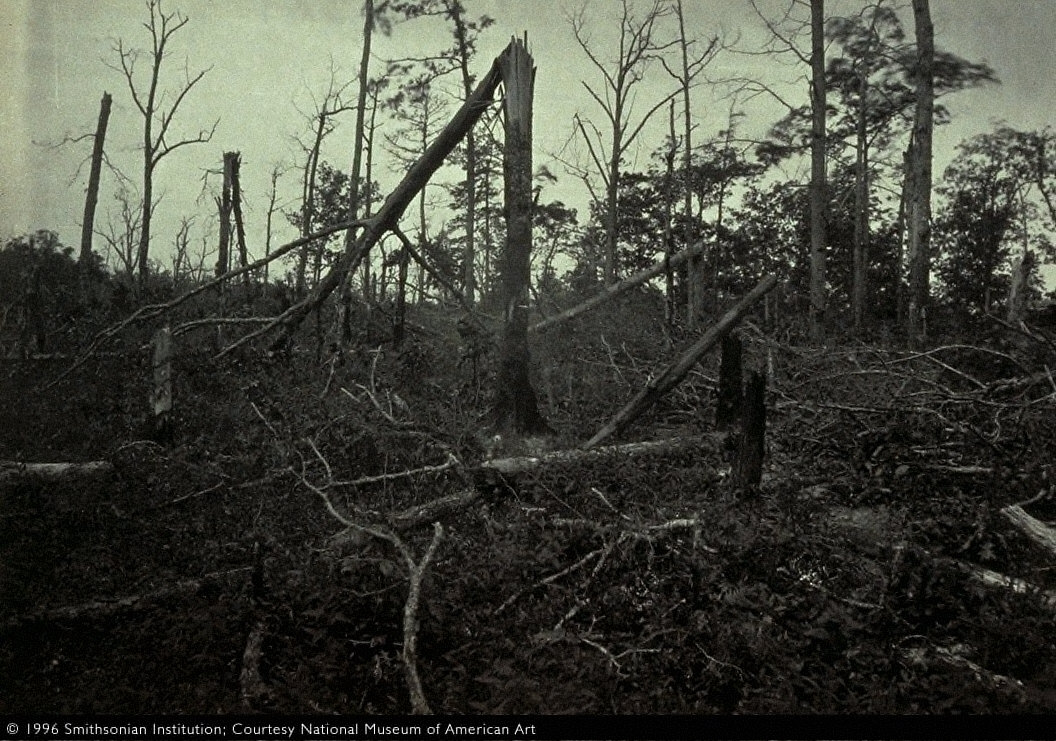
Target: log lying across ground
pixel 106 607
pixel 422 514
pixel 16 471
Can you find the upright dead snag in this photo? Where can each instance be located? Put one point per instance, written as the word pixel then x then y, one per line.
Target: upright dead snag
pixel 515 405
pixel 92 196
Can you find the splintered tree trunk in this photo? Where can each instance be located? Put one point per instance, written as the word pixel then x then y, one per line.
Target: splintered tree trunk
pixel 748 466
pixel 92 198
pixel 918 207
pixel 236 209
pixel 728 406
pixel 223 257
pixel 516 408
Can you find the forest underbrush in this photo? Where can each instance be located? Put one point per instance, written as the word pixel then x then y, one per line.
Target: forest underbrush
pixel 279 552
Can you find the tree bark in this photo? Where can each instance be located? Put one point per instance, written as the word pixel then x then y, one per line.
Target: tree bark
pixel 818 184
pixel 92 197
pixel 919 204
pixel 676 371
pixel 515 407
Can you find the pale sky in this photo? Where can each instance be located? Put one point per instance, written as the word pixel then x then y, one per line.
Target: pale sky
pixel 268 57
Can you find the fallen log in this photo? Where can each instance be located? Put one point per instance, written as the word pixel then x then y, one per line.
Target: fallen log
pixel 100 608
pixel 50 473
pixel 678 370
pixel 1034 529
pixel 423 514
pixel 520 464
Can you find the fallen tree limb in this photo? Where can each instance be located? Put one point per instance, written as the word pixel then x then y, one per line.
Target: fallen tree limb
pixel 1034 529
pixel 676 371
pixel 15 471
pixel 616 289
pixel 98 608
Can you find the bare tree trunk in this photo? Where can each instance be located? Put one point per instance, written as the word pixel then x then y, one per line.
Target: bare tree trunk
pixel 469 253
pixel 669 246
pixel 236 209
pixel 267 228
pixel 1017 291
pixel 92 197
pixel 515 407
pixel 695 267
pixel 919 205
pixel 861 221
pixel 355 192
pixel 223 258
pixel 748 466
pixel 308 202
pixel 730 396
pixel 818 184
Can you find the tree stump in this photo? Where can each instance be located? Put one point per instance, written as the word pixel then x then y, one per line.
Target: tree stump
pixel 748 464
pixel 728 405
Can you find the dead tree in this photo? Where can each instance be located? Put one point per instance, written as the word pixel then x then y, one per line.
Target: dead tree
pixel 748 465
pixel 515 407
pixel 92 197
pixel 157 139
pixel 728 404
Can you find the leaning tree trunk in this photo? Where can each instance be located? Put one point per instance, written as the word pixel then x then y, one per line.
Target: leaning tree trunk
pixel 92 198
pixel 919 205
pixel 388 217
pixel 515 407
